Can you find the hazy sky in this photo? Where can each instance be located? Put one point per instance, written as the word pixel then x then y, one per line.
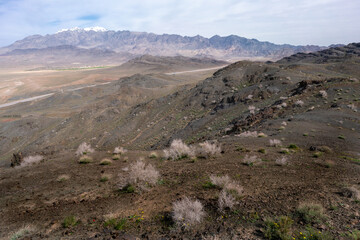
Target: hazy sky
pixel 320 22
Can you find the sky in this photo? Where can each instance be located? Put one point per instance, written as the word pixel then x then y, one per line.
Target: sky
pixel 297 22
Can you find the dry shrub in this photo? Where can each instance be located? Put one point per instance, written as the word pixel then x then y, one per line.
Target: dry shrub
pixel 274 143
pixel 225 182
pixel 207 149
pixel 31 160
pixel 84 149
pixel 248 134
pixel 281 161
pixel 140 175
pixel 178 150
pixel 187 212
pixel 252 109
pixel 63 178
pixel 251 160
pixel 354 193
pixel 119 150
pixel 299 103
pixel 22 233
pixel 226 200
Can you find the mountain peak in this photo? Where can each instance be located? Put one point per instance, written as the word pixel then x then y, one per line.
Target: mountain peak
pixel 77 29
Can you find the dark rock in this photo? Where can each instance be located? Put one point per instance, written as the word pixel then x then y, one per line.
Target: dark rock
pixel 16 159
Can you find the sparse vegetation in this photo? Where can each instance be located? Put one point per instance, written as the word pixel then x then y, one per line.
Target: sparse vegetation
pixel 117 224
pixel 105 177
pixel 281 161
pixel 262 150
pixel 225 182
pixel 275 143
pixel 139 175
pixel 226 200
pixel 115 157
pixel 353 192
pixel 293 146
pixel 178 150
pixel 105 161
pixel 354 235
pixel 63 178
pixel 341 137
pixel 207 149
pixel 311 213
pixel 119 150
pixel 251 160
pixel 279 229
pixel 313 234
pixel 85 160
pixel 252 109
pixel 188 212
pixel 70 221
pixel 299 103
pixel 153 155
pixel 31 160
pixel 317 154
pixel 84 149
pixel 248 134
pixel 284 151
pixel 21 233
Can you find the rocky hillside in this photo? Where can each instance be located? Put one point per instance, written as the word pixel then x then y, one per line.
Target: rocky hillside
pixel 133 113
pixel 229 47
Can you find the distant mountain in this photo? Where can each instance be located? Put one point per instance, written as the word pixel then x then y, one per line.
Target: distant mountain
pixel 140 43
pixel 62 56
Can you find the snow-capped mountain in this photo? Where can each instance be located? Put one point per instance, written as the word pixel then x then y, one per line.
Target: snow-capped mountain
pixel 95 29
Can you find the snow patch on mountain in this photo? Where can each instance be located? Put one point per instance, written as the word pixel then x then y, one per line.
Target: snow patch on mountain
pixel 95 29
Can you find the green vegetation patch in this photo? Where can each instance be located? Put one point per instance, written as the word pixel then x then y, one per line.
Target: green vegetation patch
pixel 70 221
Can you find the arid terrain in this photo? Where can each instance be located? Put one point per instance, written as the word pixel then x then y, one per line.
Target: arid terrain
pixel 270 150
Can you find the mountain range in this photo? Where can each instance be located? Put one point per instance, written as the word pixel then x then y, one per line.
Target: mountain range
pixel 139 43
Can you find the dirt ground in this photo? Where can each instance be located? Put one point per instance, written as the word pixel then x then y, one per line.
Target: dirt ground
pixel 34 196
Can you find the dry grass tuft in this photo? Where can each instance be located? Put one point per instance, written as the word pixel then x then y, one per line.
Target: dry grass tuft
pixel 153 155
pixel 187 212
pixel 85 160
pixel 105 161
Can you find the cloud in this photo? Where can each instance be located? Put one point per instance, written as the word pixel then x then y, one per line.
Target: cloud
pixel 319 22
pixel 91 17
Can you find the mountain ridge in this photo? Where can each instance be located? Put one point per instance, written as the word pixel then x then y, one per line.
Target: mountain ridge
pixel 140 43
